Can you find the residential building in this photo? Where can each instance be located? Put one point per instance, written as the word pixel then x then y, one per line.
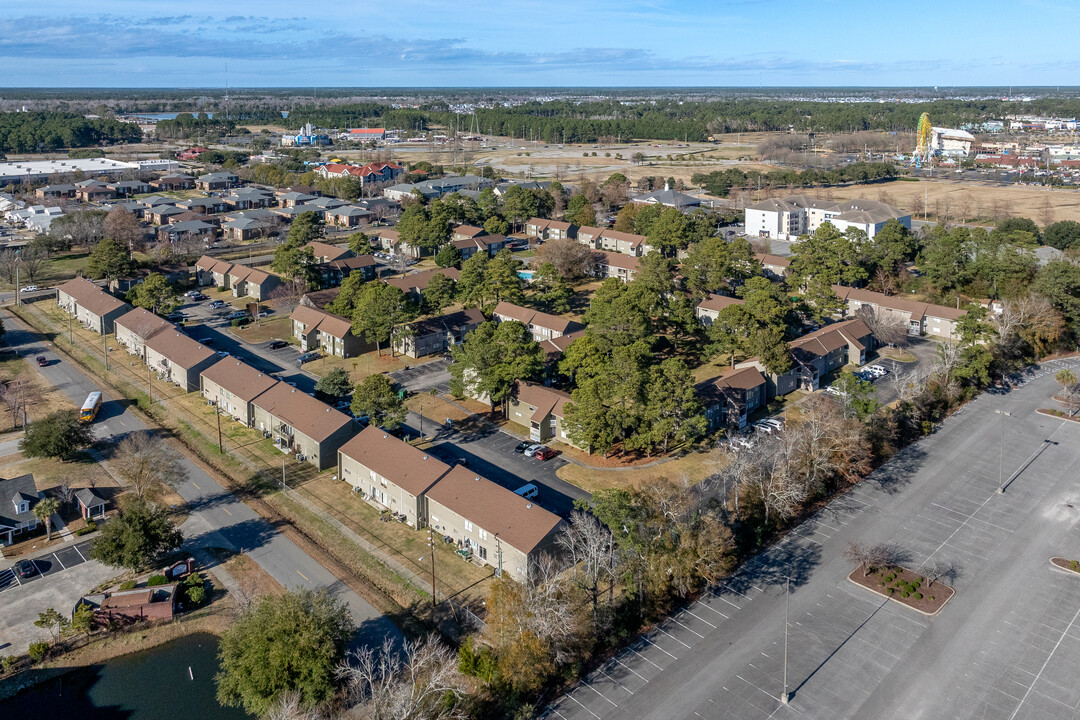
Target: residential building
pixel 333 273
pixel 438 334
pixel 668 197
pixel 467 232
pixel 218 181
pixel 613 241
pixel 160 213
pixel 95 193
pixel 18 496
pixel 292 199
pixel 56 191
pixel 243 228
pixel 416 283
pixel 542 325
pixel 540 409
pixel 92 307
pixel 186 230
pixel 797 215
pixel 251 282
pixel 175 181
pixel 437 188
pixel 321 330
pixel 541 229
pixel 390 473
pixel 205 206
pixel 489 244
pixel 301 425
pixel 615 265
pixel 211 271
pixel 232 386
pixel 375 172
pixel 499 527
pixel 731 396
pixel 347 216
pixel 774 266
pixel 127 188
pixel 249 198
pixel 324 252
pixel 178 359
pixel 708 309
pixel 921 318
pixel 818 353
pixel 135 327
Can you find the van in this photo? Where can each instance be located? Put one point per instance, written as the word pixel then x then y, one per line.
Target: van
pixel 528 492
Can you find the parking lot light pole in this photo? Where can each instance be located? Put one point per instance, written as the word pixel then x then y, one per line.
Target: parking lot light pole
pixel 1001 450
pixel 785 696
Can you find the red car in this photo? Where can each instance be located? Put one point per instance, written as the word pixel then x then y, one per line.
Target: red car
pixel 41 361
pixel 544 453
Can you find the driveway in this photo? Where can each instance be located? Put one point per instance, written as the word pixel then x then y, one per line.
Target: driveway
pixel 282 363
pixel 490 452
pixel 924 350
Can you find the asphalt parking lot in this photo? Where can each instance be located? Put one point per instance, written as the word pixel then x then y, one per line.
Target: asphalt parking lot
pixel 48 564
pixel 1007 645
pixel 419 378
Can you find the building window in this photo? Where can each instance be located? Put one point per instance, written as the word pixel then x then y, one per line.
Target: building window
pixel 482 533
pixel 468 526
pixel 482 551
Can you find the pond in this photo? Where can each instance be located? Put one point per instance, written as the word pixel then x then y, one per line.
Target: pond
pixel 169 681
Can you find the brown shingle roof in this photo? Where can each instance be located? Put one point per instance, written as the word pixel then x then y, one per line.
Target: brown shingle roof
pixel 528 316
pixel 324 252
pixel 547 401
pixel 88 295
pixel 746 378
pixel 718 302
pixel 209 264
pixel 619 260
pixel 353 263
pixel 917 308
pixel 469 231
pixel 248 274
pixel 399 462
pixel 314 319
pixel 179 349
pixel 239 378
pixel 419 281
pixel 513 519
pixel 142 322
pixel 831 337
pixel 304 413
pixel 777 260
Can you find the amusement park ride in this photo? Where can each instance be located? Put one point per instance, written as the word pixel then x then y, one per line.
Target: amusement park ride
pixel 923 153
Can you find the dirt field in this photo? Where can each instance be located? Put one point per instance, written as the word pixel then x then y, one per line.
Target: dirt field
pixel 971 201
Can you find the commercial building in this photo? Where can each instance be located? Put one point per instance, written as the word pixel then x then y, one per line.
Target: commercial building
pixel 949 142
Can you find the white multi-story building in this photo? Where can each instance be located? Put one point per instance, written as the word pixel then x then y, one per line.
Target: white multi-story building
pixel 949 142
pixel 797 215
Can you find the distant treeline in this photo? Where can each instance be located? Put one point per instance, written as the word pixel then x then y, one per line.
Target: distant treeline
pixel 50 131
pixel 720 182
pixel 672 119
pixel 187 125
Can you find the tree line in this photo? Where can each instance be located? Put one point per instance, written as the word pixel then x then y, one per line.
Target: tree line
pixel 29 132
pixel 720 182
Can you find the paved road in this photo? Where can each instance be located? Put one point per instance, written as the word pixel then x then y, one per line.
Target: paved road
pixel 216 518
pixel 1006 646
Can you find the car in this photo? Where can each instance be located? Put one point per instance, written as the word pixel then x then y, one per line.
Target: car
pixel 522 447
pixel 742 442
pixel 528 492
pixel 41 360
pixel 878 370
pixel 265 313
pixel 191 293
pixel 835 391
pixel 175 316
pixel 777 423
pixel 764 427
pixel 25 568
pixel 277 344
pixel 198 296
pixel 531 450
pixel 544 453
pixel 218 304
pixel 30 288
pixel 235 314
pixel 290 383
pixel 222 353
pixel 463 462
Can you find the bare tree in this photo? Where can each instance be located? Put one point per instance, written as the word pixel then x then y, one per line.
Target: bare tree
pixel 592 554
pixel 940 571
pixel 286 296
pixel 1031 319
pixel 123 227
pixel 909 385
pixel 419 682
pixel 290 706
pixel 65 494
pixel 32 261
pixel 887 327
pixel 570 258
pixel 17 393
pixel 871 557
pixel 146 463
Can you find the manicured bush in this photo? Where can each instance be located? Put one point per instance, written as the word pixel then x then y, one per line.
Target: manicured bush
pixel 156 580
pixel 38 651
pixel 7 663
pixel 889 590
pixel 90 527
pixel 917 596
pixel 905 594
pixel 194 589
pixel 931 597
pixel 129 585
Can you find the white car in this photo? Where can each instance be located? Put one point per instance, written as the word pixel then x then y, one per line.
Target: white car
pixel 531 450
pixel 878 370
pixel 222 353
pixel 835 391
pixel 762 426
pixel 30 288
pixel 777 423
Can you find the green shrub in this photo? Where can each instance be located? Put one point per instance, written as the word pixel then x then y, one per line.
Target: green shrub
pixel 931 597
pixel 38 651
pixel 240 322
pixel 194 589
pixel 905 594
pixel 7 663
pixel 917 596
pixel 129 585
pixel 889 590
pixel 156 580
pixel 90 527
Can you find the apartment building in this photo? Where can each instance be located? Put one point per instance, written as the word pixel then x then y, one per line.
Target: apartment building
pixel 542 325
pixel 92 307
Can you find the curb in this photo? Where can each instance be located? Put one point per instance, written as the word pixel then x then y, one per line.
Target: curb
pixel 909 607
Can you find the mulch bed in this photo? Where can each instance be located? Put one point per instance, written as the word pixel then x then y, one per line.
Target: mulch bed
pixel 1073 565
pixel 905 587
pixel 1059 414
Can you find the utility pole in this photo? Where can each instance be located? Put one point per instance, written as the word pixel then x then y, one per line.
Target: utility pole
pixel 71 335
pixel 431 544
pixel 105 349
pixel 1001 450
pixel 786 697
pixel 221 445
pixel 17 300
pixel 283 485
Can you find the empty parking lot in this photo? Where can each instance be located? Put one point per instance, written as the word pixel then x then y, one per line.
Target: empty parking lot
pixel 1006 646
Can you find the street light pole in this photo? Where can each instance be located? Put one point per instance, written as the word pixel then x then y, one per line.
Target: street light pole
pixel 149 384
pixel 785 697
pixel 431 544
pixel 283 485
pixel 1001 450
pixel 105 349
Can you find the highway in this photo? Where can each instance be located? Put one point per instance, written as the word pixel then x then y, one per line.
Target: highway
pixel 216 517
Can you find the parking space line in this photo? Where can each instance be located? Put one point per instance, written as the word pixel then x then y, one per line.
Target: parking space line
pixel 718 597
pixel 34 563
pixel 630 669
pixel 647 659
pixel 583 707
pixel 589 685
pixel 706 621
pixel 62 565
pixel 1047 662
pixel 688 628
pixel 660 649
pixel 616 682
pixel 673 637
pixel 76 548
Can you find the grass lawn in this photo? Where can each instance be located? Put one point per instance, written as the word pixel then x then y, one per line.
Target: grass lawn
pixel 897 354
pixel 695 466
pixel 435 406
pixel 50 472
pixel 361 366
pixel 278 328
pixel 60 268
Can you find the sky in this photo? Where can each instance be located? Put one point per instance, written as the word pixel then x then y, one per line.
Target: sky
pixel 526 43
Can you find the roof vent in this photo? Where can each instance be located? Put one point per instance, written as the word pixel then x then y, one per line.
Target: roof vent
pixel 477 478
pixel 528 505
pixel 385 436
pixel 424 458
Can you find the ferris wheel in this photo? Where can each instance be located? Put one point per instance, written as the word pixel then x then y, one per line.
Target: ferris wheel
pixel 922 142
